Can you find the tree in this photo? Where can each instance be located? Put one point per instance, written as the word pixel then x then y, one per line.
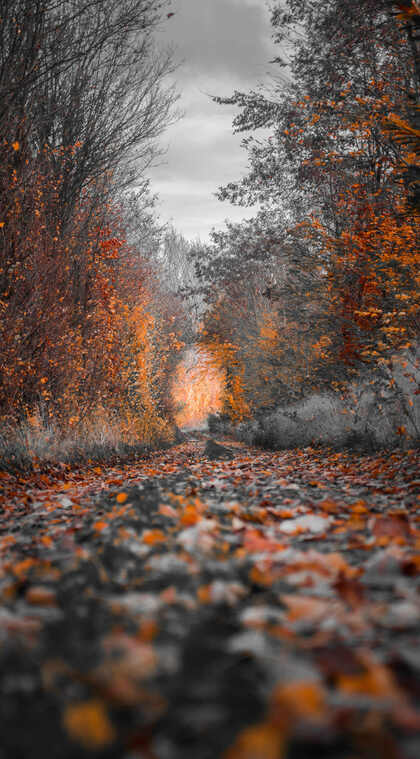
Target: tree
pixel 333 183
pixel 83 100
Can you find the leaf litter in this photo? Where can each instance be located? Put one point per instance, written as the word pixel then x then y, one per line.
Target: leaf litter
pixel 259 605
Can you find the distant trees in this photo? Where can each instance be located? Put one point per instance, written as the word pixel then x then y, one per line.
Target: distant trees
pixel 333 252
pixel 265 314
pixel 176 265
pixel 178 270
pixel 82 100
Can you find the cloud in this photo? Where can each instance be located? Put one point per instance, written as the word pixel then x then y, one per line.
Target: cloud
pixel 220 37
pixel 224 45
pixel 192 209
pixel 202 150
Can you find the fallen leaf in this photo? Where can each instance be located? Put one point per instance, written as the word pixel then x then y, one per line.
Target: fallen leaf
pixel 38 595
pixel 375 680
pixel 391 525
pixel 100 525
pixel 305 608
pixel 349 589
pixel 262 741
pixel 304 700
pixel 151 537
pixel 88 724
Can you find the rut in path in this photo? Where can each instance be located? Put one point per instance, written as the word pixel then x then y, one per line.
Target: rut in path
pixel 248 604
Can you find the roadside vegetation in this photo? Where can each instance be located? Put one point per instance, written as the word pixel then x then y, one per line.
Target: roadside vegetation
pixel 89 330
pixel 315 317
pixel 307 314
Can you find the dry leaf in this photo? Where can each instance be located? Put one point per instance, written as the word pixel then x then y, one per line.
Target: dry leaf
pixel 263 741
pixel 88 724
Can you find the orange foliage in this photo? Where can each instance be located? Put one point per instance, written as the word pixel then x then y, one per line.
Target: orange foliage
pixel 81 335
pixel 374 281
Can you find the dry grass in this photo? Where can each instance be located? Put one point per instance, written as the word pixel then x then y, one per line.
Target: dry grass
pixel 38 444
pixel 375 413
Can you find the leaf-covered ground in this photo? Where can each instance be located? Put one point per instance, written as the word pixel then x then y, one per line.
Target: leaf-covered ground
pixel 206 603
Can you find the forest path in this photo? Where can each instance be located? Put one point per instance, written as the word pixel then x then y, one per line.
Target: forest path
pixel 249 604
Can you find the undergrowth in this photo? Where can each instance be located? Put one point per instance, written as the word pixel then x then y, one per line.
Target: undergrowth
pixel 39 445
pixel 371 414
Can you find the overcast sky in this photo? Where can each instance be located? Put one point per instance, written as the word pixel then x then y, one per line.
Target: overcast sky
pixel 223 45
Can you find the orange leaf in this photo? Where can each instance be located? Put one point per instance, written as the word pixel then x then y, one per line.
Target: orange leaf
pixel 204 594
pixel 167 511
pixel 153 536
pixel 328 505
pixel 147 631
pixel 392 525
pixel 254 541
pixel 337 565
pixel 88 724
pixel 40 596
pixel 349 589
pixel 305 607
pixel 16 145
pixel 375 681
pixel 99 526
pixel 190 516
pixel 122 497
pixel 262 577
pixel 359 507
pixel 262 741
pixel 20 569
pixel 299 699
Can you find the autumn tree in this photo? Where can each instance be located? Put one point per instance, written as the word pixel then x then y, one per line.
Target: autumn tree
pixel 264 316
pixel 83 99
pixel 329 177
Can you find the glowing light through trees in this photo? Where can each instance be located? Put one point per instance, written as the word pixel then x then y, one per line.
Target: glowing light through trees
pixel 197 389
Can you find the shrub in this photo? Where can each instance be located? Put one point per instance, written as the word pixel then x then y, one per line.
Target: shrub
pixel 376 412
pixel 38 444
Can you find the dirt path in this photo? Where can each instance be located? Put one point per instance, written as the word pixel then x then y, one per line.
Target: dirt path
pixel 259 606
